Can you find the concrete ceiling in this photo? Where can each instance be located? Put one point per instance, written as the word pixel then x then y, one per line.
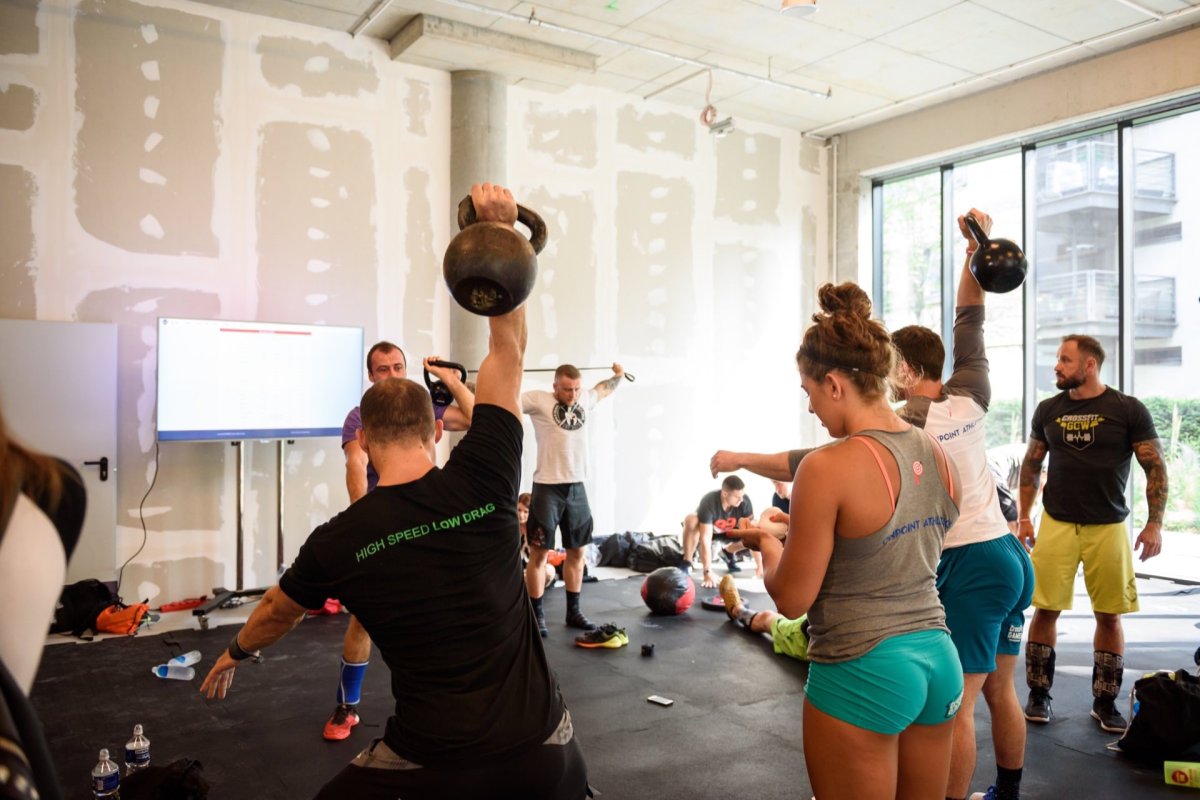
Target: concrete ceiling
pixel 872 58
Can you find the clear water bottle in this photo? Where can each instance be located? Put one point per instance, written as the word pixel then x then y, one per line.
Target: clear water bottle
pixel 137 752
pixel 106 778
pixel 174 672
pixel 187 659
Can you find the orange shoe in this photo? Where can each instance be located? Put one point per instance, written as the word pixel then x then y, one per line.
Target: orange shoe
pixel 338 727
pixel 331 607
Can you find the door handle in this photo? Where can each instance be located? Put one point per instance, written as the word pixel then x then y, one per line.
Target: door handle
pixel 102 464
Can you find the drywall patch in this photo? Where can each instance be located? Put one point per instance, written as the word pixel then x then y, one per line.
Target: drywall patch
pixel 568 137
pixel 18 107
pixel 18 27
pixel 655 296
pixel 316 69
pixel 423 269
pixel 748 170
pixel 148 83
pixel 664 133
pixel 191 476
pixel 808 241
pixel 562 317
pixel 317 258
pixel 417 106
pixel 811 155
pixel 17 245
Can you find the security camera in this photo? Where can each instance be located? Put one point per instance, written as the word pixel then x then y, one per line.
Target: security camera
pixel 722 128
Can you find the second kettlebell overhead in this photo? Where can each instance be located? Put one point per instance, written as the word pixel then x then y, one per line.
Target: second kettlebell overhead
pixel 489 267
pixel 998 264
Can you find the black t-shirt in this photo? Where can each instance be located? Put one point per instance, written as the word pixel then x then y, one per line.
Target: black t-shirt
pixel 431 568
pixel 1090 443
pixel 710 512
pixel 784 504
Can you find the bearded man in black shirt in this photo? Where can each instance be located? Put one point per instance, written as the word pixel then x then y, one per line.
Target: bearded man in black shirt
pixel 429 563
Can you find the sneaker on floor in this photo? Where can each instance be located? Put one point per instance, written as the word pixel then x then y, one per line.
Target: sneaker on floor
pixel 578 620
pixel 729 593
pixel 338 727
pixel 608 635
pixel 1037 707
pixel 730 561
pixel 990 794
pixel 1105 712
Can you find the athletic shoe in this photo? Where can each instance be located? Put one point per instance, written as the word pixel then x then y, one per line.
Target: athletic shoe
pixel 608 635
pixel 330 608
pixel 1105 712
pixel 729 593
pixel 1037 707
pixel 338 727
pixel 990 794
pixel 730 561
pixel 578 620
pixel 541 623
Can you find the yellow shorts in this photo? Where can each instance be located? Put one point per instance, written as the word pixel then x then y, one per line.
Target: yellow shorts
pixel 1107 566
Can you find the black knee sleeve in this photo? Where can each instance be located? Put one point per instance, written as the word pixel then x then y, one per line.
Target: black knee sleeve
pixel 1039 666
pixel 1107 671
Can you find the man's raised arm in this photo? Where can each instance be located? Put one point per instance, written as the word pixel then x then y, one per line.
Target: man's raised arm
pixel 499 380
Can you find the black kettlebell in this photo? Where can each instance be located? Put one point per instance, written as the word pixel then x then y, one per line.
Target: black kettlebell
pixel 439 391
pixel 489 267
pixel 998 264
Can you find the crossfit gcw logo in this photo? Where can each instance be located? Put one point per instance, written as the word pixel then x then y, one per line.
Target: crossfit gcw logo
pixel 569 418
pixel 952 707
pixel 1079 430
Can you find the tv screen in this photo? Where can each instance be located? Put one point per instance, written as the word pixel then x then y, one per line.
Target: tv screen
pixel 220 379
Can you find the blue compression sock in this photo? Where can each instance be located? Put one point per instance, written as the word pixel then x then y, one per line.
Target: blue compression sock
pixel 350 683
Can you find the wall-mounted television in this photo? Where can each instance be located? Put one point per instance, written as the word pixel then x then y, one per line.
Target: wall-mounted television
pixel 230 380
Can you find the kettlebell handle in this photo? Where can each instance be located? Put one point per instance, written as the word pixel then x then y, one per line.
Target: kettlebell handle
pixel 439 391
pixel 528 218
pixel 976 230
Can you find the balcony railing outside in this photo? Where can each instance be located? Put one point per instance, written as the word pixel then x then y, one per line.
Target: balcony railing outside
pixel 1093 296
pixel 1092 166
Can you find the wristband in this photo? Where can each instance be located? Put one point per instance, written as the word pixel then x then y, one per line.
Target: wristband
pixel 1024 519
pixel 236 652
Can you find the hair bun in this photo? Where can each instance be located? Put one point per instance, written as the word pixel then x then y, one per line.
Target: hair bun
pixel 844 298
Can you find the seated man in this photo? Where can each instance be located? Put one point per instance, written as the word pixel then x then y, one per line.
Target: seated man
pixel 721 510
pixel 789 636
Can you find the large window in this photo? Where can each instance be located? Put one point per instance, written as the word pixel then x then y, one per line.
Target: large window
pixel 912 252
pixel 993 186
pixel 1165 199
pixel 1105 216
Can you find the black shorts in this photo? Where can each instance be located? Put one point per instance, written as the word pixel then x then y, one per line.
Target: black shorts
pixel 543 772
pixel 559 506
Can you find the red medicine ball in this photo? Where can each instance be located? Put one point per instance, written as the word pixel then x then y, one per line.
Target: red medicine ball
pixel 668 590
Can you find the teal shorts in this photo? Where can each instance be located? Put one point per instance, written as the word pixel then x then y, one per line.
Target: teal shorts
pixel 985 588
pixel 913 678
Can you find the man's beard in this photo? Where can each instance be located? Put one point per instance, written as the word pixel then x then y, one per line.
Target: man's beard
pixel 1069 382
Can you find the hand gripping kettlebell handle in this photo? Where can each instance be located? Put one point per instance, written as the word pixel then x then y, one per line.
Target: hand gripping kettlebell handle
pixel 525 216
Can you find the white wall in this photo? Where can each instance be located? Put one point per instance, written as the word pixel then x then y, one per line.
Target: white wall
pixel 172 159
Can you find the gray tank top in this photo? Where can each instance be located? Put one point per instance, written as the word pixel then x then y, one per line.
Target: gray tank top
pixel 885 584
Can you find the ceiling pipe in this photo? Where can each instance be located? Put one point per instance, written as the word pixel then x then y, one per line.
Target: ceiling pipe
pixel 369 17
pixel 532 19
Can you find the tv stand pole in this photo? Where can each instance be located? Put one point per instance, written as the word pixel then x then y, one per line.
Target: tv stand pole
pixel 222 597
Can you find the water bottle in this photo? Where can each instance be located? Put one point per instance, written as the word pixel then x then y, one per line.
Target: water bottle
pixel 137 752
pixel 187 659
pixel 106 778
pixel 174 672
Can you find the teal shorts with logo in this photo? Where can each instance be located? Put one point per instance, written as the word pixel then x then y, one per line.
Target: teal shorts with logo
pixel 906 679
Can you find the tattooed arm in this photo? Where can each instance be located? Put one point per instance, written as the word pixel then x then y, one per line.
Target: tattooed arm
pixel 1031 479
pixel 1150 455
pixel 607 386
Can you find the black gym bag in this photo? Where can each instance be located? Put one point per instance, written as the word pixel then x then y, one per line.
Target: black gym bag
pixel 1166 726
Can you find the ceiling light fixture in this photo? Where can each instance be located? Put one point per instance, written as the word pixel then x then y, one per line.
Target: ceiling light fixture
pixel 798 8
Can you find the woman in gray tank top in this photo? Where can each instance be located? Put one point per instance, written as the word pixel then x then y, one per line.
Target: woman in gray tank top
pixel 869 513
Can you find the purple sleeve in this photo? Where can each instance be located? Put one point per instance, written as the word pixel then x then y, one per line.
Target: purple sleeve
pixel 438 412
pixel 352 425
